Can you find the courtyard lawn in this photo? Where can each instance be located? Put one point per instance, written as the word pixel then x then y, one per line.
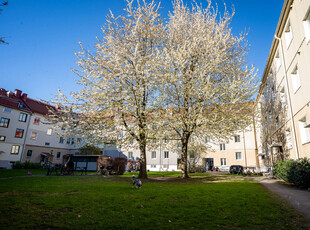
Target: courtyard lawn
pixel 97 202
pixel 21 172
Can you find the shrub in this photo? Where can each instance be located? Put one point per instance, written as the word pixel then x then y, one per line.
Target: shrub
pixel 295 172
pixel 25 165
pixel 119 165
pixel 17 165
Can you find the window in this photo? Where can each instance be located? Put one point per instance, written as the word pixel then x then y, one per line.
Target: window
pixel 237 138
pixel 153 166
pixel 61 140
pixel 306 23
pixel 154 154
pixel 58 155
pixel 304 132
pixel 282 97
pixel 277 61
pixel 15 149
pixel 207 139
pixel 130 155
pixel 165 166
pixel 49 131
pixel 4 122
pixel 295 79
pixel 36 121
pixel 19 133
pixel 277 123
pixel 288 34
pixel 166 141
pixel 70 141
pixel 7 110
pixel 131 141
pixel 289 143
pixel 2 138
pixel 238 156
pixel 47 143
pixel 222 147
pixel 29 153
pixel 33 136
pixel 166 154
pixel 223 161
pixel 22 117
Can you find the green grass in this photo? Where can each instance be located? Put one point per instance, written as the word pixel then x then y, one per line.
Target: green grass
pixel 21 172
pixel 96 202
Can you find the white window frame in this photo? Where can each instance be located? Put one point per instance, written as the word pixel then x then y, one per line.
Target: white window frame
pixel 295 79
pixel 49 131
pixel 15 149
pixel 153 154
pixel 237 157
pixel 23 117
pixel 58 157
pixel 130 155
pixel 223 161
pixel 207 139
pixel 277 61
pixel 282 97
pixel 237 138
pixel 36 121
pixel 288 34
pixel 304 132
pixel 306 24
pixel 166 154
pixel 289 143
pixel 153 166
pixel 33 137
pixel 223 147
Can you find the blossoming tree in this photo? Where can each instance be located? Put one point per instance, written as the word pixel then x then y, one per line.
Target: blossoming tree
pixel 206 84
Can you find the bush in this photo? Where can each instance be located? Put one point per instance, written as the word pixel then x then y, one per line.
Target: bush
pixel 17 165
pixel 25 165
pixel 295 172
pixel 119 165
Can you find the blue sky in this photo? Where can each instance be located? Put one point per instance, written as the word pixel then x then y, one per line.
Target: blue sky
pixel 43 36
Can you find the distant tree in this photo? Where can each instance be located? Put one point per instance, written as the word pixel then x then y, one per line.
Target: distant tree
pixel 89 149
pixel 1 5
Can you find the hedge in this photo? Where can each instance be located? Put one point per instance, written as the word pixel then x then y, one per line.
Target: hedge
pixel 293 171
pixel 26 165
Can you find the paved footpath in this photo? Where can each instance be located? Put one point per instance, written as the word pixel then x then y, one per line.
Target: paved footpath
pixel 299 199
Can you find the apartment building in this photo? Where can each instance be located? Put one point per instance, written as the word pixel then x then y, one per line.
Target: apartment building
pixel 241 149
pixel 26 134
pixel 14 122
pixel 284 94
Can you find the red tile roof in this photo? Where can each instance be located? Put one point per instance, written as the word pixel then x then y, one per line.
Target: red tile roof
pixel 9 99
pixel 18 101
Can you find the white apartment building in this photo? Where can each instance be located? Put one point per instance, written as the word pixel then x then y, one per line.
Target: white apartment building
pixel 284 94
pixel 26 135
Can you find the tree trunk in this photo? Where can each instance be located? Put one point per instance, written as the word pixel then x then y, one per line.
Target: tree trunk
pixel 143 172
pixel 184 173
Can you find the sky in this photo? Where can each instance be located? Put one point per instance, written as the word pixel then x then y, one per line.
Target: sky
pixel 43 36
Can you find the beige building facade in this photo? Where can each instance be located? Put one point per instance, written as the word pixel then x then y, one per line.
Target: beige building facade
pixel 284 94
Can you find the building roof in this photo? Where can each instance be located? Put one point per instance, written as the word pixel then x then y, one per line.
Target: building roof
pixel 13 100
pixel 21 101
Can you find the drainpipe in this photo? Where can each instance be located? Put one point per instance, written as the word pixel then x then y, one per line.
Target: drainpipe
pixel 244 148
pixel 26 134
pixel 289 98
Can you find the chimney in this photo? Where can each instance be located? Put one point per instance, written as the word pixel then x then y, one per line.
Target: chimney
pixel 24 96
pixel 18 93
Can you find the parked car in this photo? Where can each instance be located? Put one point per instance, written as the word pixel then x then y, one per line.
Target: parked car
pixel 236 169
